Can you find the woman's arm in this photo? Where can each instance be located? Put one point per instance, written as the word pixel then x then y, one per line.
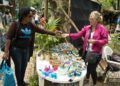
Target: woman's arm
pixel 6 51
pixel 75 36
pixel 9 36
pixel 42 30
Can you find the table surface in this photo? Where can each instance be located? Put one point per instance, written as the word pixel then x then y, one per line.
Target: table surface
pixel 61 78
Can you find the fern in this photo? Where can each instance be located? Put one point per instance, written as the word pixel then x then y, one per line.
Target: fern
pixel 52 23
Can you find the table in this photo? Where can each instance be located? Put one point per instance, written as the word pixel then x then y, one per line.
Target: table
pixel 41 64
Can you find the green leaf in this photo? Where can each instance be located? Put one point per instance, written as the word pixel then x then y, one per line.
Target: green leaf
pixel 52 23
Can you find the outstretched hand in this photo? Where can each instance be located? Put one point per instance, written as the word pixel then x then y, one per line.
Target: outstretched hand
pixel 91 41
pixel 61 34
pixel 58 33
pixel 64 35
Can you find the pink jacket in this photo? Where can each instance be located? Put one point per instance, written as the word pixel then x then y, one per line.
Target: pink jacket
pixel 100 35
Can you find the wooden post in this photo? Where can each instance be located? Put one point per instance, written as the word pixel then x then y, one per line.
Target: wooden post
pixel 20 3
pixel 118 5
pixel 46 9
pixel 14 6
pixel 69 14
pixel 69 5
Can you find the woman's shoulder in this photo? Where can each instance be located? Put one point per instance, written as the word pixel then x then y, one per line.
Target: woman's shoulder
pixel 13 24
pixel 102 28
pixel 32 25
pixel 87 27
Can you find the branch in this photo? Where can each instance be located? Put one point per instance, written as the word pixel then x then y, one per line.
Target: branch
pixel 71 21
pixel 10 6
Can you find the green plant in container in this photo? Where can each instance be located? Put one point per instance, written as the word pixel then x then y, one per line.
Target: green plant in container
pixel 46 41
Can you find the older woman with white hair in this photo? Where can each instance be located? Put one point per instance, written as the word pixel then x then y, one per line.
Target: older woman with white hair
pixel 95 37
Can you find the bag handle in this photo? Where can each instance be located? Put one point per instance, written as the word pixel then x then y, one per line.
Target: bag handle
pixel 89 36
pixel 2 63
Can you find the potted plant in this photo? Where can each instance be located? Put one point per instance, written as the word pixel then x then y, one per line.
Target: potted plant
pixel 47 41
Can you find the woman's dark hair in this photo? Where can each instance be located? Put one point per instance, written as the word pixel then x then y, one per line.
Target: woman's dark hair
pixel 7 12
pixel 23 12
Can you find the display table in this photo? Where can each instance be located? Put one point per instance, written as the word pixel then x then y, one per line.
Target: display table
pixel 60 78
pixel 72 71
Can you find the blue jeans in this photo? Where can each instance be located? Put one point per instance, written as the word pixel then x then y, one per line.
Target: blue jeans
pixel 20 59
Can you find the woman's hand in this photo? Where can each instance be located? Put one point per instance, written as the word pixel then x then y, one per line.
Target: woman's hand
pixel 64 35
pixel 58 33
pixel 6 55
pixel 91 41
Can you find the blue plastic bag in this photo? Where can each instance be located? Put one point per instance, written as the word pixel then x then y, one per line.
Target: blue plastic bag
pixel 8 78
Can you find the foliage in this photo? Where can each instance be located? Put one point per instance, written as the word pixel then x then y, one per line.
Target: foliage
pixel 33 81
pixel 22 3
pixel 52 23
pixel 37 4
pixel 48 41
pixel 115 43
pixel 107 4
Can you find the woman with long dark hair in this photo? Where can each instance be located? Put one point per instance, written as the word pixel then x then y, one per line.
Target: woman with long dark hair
pixel 20 40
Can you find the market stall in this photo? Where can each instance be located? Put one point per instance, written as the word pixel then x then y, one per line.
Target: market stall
pixel 61 64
